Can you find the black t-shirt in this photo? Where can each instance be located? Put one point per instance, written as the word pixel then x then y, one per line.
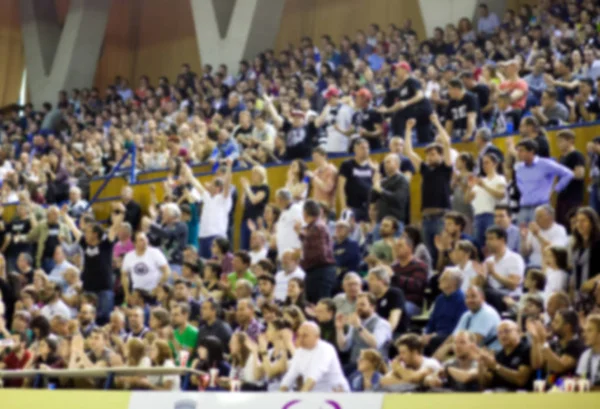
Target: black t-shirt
pixel 407 90
pixel 97 265
pixel 19 228
pixel 359 179
pixel 574 190
pixel 254 211
pixel 52 240
pixel 405 166
pixel 574 349
pixel 393 299
pixel 591 105
pixel 299 141
pixel 457 112
pixel 368 118
pixel 543 146
pixel 435 186
pixel 482 92
pixel 517 358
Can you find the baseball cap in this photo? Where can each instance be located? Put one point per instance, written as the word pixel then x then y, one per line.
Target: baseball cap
pixel 403 65
pixel 365 93
pixel 332 91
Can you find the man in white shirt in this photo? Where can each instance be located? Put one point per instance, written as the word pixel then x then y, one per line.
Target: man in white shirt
pixel 286 236
pixel 55 306
pixel 589 362
pixel 337 117
pixel 217 203
pixel 504 268
pixel 543 232
pixel 145 267
pixel 290 269
pixel 315 364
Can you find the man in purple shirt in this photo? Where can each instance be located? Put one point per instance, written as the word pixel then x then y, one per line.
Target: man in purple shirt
pixel 246 320
pixel 535 179
pixel 317 254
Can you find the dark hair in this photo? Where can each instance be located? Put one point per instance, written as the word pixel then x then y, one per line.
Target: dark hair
pixel 42 324
pixel 467 247
pixel 411 341
pixel 529 145
pixel 328 302
pixel 267 265
pixel 570 318
pixel 566 134
pixel 561 256
pixel 457 218
pixel 493 157
pixel 243 256
pixel 468 160
pixel 301 168
pixel 434 147
pixel 538 277
pixel 162 315
pixel 456 83
pixel 498 231
pixel 185 308
pixel 268 278
pixel 414 233
pixel 182 281
pixel 595 232
pixel 215 267
pixel 214 348
pixel 223 244
pixel 504 208
pixel 551 93
pixel 320 150
pixel 370 298
pixel 312 208
pixel 395 222
pixel 302 298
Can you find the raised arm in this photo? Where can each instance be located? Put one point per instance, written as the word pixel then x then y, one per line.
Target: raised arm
pixel 445 138
pixel 277 119
pixel 408 148
pixel 71 224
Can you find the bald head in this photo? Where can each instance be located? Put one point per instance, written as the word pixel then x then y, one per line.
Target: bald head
pixel 508 334
pixel 309 334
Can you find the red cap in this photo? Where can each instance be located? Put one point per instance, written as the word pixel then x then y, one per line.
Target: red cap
pixel 365 93
pixel 404 65
pixel 332 91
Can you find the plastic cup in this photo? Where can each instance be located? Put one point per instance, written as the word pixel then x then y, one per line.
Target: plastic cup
pixel 539 386
pixel 183 358
pixel 214 374
pixel 570 385
pixel 236 385
pixel 583 385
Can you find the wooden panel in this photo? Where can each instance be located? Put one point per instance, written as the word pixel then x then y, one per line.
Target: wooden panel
pixel 12 59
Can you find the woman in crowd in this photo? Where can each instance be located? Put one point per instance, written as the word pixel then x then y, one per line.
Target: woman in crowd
pixel 465 257
pixel 255 197
pixel 221 251
pixel 371 368
pixel 460 185
pixel 244 360
pixel 297 182
pixel 295 294
pixel 46 357
pixel 586 251
pixel 294 316
pixel 421 251
pixel 210 356
pixel 211 285
pixel 162 356
pixel 555 264
pixel 135 354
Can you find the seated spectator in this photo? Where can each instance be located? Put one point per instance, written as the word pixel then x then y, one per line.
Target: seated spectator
pixel 366 329
pixel 135 321
pixel 290 269
pixel 161 356
pixel 325 313
pixel 345 302
pixel 135 351
pixel 17 358
pixel 390 300
pixel 76 205
pixel 504 268
pixel 510 368
pixel 266 289
pixel 258 248
pixel 345 250
pixel 210 354
pixel 303 375
pixel 212 326
pixel 54 305
pixel 296 295
pixel 245 364
pixel 294 316
pixel 47 358
pixel 503 219
pixel 371 368
pixel 551 112
pixel 185 335
pixel 556 270
pixel 460 373
pixel 391 192
pixel 410 275
pixel 246 320
pixel 454 229
pixel 173 233
pixel 421 252
pixel 531 130
pixel 410 368
pixel 61 264
pixel 587 366
pixel 182 294
pixel 586 250
pixel 382 250
pixel 465 259
pixel 448 308
pixel 275 361
pixel 542 232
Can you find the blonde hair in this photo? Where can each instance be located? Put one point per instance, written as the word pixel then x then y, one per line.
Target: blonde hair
pixel 375 359
pixel 262 172
pixel 136 349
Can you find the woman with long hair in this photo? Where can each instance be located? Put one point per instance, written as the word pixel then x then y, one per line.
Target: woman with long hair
pixel 295 293
pixel 162 356
pixel 210 356
pixel 586 251
pixel 555 264
pixel 296 180
pixel 371 368
pixel 255 198
pixel 294 316
pixel 465 164
pixel 275 360
pixel 135 357
pixel 244 359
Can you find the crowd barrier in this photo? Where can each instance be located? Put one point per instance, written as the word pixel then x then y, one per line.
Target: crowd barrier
pixel 77 399
pixel 277 175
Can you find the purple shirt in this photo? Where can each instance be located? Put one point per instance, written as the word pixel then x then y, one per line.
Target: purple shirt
pixel 535 181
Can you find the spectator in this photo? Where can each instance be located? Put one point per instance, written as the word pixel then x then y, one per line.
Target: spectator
pixel 585 365
pixel 345 250
pixel 133 211
pixel 542 233
pixel 336 117
pixel 505 269
pixel 210 352
pixel 286 236
pixel 135 321
pixel 345 303
pixel 514 85
pixel 185 334
pixel 488 22
pixel 410 275
pixel 483 142
pixel 246 319
pixel 463 112
pixel 572 196
pixel 371 367
pixel 326 377
pixel 48 235
pixel 212 326
pixel 368 123
pixel 502 219
pixel 61 264
pixel 255 198
pixel 535 175
pixel 382 250
pixel 355 181
pixel 510 368
pixel 222 255
pixel 461 372
pixel 161 356
pixel 54 306
pixel 173 233
pixel 17 359
pixel 391 304
pixel 391 193
pixel 76 206
pixel 536 80
pixel 259 250
pixel 551 112
pixel 290 269
pixel 530 130
pixel 586 250
pixel 324 179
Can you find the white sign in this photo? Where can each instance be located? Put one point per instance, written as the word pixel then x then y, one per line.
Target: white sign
pixel 262 400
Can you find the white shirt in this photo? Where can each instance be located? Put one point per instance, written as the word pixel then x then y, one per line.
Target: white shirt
pixel 468 273
pixel 256 256
pixel 285 235
pixel 58 309
pixel 484 202
pixel 510 264
pixel 336 141
pixel 157 380
pixel 430 363
pixel 321 364
pixel 214 220
pixel 282 280
pixel 556 280
pixel 144 270
pixel 556 235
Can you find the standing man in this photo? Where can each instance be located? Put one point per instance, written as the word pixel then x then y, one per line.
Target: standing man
pixel 317 254
pixel 367 122
pixel 323 179
pixel 572 196
pixel 337 118
pixel 436 172
pixel 535 177
pixel 410 275
pixel 408 102
pixel 392 194
pixel 355 181
pixel 462 112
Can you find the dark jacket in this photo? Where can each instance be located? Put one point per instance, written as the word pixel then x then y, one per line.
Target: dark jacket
pixel 173 240
pixel 393 198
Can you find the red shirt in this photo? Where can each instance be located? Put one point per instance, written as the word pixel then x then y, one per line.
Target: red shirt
pixel 520 84
pixel 317 247
pixel 12 362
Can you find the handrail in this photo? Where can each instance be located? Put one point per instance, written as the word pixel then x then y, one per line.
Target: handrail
pixel 112 173
pixel 98 372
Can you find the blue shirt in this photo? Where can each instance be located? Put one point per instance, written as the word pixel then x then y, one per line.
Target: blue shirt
pixel 483 322
pixel 358 385
pixel 229 149
pixel 536 83
pixel 535 180
pixel 347 255
pixel 446 312
pixel 376 62
pixel 513 238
